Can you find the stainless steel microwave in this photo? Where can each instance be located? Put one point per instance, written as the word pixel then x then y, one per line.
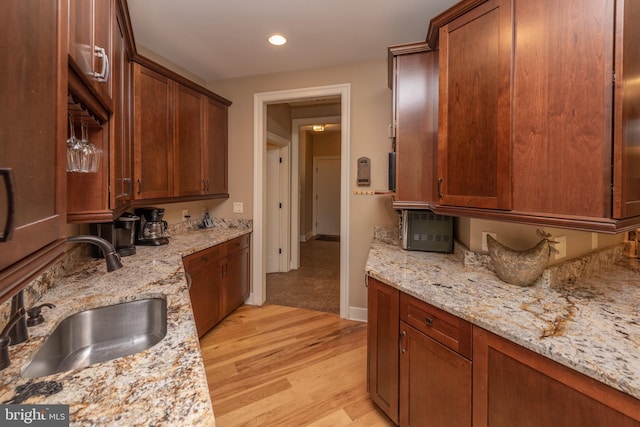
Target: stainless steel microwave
pixel 422 230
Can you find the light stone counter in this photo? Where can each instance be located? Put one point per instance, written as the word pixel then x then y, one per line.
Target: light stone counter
pixel 590 324
pixel 162 386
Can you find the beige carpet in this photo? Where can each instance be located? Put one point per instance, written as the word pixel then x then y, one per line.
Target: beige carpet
pixel 315 285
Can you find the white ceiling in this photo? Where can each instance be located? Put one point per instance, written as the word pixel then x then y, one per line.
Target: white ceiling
pixel 222 39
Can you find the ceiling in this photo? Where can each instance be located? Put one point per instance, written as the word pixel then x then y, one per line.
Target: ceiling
pixel 223 39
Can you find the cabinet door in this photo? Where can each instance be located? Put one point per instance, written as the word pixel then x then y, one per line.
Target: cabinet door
pixel 382 347
pixel 121 184
pixel 627 107
pixel 513 386
pixel 32 135
pixel 205 295
pixel 474 147
pixel 153 134
pixel 81 36
pixel 216 148
pixel 90 43
pixel 103 24
pixel 236 280
pixel 188 142
pixel 416 127
pixel 435 382
pixel 562 107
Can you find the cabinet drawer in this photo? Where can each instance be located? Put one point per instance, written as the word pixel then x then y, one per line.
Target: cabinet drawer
pixel 238 243
pixel 204 258
pixel 443 327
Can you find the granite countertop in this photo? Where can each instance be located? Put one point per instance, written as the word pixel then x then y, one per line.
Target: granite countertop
pixel 164 385
pixel 590 324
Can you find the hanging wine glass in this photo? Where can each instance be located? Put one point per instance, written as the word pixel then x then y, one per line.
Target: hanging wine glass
pixel 72 157
pixel 85 157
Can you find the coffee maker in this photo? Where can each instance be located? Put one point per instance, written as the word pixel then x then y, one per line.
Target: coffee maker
pixel 120 233
pixel 151 229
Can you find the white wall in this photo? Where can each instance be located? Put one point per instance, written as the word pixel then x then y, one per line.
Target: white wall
pixel 370 115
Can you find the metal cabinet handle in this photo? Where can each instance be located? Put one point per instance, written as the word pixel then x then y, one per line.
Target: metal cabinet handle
pixel 440 180
pixel 402 335
pixel 428 321
pixel 103 75
pixel 7 234
pixel 139 186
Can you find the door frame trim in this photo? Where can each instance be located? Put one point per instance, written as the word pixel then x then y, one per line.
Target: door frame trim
pixel 260 102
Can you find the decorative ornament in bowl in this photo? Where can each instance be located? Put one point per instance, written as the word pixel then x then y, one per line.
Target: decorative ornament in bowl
pixel 520 268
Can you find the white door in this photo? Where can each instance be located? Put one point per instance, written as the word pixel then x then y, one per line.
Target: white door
pixel 273 209
pixel 326 184
pixel 277 213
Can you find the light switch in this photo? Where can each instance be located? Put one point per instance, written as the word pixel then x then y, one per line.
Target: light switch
pixel 238 207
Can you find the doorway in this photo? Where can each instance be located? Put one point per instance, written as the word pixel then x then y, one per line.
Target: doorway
pixel 261 100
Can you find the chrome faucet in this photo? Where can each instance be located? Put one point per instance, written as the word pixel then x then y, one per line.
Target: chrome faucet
pixel 110 255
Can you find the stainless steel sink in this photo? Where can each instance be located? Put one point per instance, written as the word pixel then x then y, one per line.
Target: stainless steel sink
pixel 100 334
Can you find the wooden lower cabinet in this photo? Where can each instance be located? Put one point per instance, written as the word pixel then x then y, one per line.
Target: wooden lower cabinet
pixel 382 347
pixel 219 281
pixel 435 382
pixel 427 367
pixel 413 377
pixel 513 386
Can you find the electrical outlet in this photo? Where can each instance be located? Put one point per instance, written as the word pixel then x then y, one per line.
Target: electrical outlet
pixel 238 207
pixel 185 215
pixel 561 247
pixel 484 239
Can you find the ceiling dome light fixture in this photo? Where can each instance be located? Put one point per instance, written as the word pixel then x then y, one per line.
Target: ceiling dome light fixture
pixel 277 39
pixel 318 128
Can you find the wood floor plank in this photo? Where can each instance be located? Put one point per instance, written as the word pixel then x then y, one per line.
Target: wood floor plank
pixel 283 366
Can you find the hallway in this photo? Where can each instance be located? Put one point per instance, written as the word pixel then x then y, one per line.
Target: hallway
pixel 315 285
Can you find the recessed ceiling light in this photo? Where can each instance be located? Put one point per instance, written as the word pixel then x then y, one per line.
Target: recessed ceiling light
pixel 318 128
pixel 277 39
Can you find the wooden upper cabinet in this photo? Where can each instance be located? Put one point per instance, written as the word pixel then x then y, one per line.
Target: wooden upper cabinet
pixel 189 137
pixel 414 79
pixel 626 182
pixel 180 139
pixel 216 148
pixel 153 134
pixel 474 147
pixel 91 25
pixel 120 151
pixel 562 107
pixel 32 139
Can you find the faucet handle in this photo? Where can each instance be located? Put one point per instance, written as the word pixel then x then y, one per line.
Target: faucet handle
pixel 35 317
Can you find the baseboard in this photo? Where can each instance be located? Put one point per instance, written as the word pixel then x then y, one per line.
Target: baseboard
pixel 358 314
pixel 305 237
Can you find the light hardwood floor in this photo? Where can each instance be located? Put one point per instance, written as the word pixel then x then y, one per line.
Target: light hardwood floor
pixel 283 366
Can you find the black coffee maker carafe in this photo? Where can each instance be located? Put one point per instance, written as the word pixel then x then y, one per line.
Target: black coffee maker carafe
pixel 151 229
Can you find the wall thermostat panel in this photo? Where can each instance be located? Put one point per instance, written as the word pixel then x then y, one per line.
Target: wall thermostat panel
pixel 364 171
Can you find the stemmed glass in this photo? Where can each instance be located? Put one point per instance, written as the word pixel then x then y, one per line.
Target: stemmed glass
pixel 73 149
pixel 82 155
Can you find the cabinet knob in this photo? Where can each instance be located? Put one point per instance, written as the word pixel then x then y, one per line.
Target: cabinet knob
pixel 428 321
